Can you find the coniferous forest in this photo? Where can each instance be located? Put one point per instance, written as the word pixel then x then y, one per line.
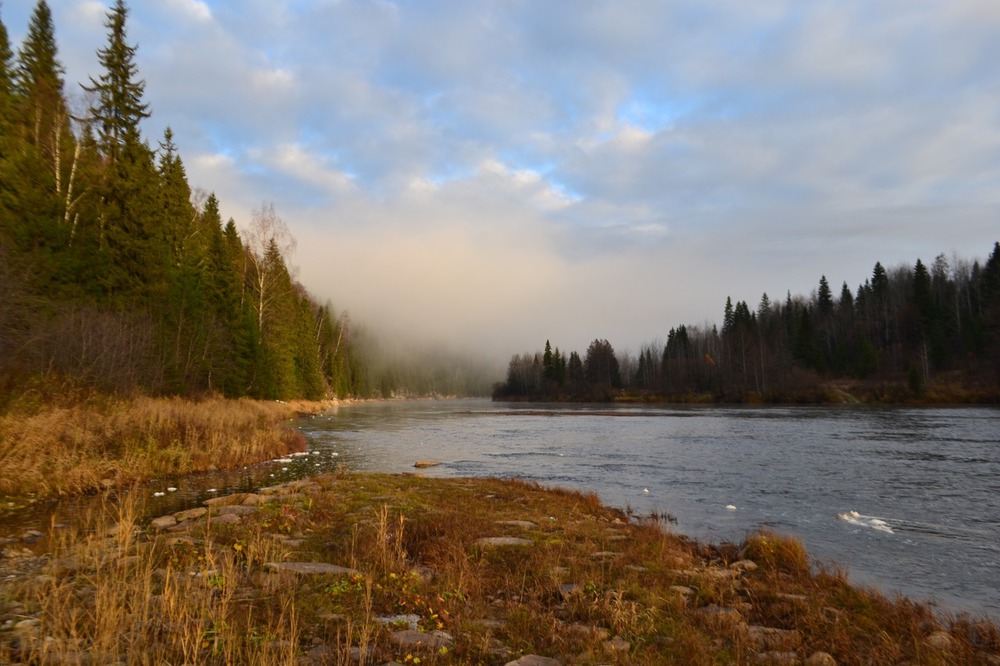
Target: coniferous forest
pixel 910 333
pixel 118 274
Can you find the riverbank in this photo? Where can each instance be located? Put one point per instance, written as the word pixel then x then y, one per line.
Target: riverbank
pixel 374 569
pixel 80 444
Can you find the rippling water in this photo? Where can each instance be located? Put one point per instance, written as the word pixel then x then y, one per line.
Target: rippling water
pixel 924 483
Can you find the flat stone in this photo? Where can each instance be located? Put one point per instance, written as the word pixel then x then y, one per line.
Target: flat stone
pixel 605 554
pixel 534 660
pixel 235 510
pixel 411 620
pixel 494 542
pixel 424 464
pixel 225 500
pixel 252 499
pixel 821 659
pixel 777 658
pixel 163 522
pixel 408 638
pixel 744 565
pixel 771 639
pixel 226 519
pixel 190 514
pixel 521 524
pixel 310 568
pixel 682 590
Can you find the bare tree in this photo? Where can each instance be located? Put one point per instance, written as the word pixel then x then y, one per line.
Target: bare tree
pixel 267 241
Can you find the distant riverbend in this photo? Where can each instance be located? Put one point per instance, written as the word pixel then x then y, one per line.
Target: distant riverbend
pixel 907 499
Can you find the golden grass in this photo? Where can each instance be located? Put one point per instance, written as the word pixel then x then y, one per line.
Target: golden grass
pixel 103 442
pixel 595 587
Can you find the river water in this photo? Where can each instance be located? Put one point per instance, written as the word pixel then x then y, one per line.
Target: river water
pixel 906 500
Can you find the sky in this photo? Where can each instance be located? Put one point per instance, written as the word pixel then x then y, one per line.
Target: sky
pixel 495 173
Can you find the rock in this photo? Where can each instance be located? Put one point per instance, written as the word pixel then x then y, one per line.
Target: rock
pixel 821 659
pixel 190 514
pixel 495 542
pixel 941 640
pixel 424 464
pixel 226 519
pixel 521 524
pixel 605 554
pixel 534 660
pixel 311 568
pixel 616 644
pixel 410 639
pixel 32 536
pixel 771 639
pixel 28 625
pixel 744 565
pixel 777 658
pixel 235 510
pixel 682 590
pixel 163 522
pixel 225 500
pixel 252 499
pixel 411 620
pixel 567 590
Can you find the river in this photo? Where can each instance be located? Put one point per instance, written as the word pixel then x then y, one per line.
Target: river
pixel 907 500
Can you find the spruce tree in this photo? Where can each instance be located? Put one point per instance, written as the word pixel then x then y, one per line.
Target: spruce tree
pixel 119 107
pixel 6 109
pixel 39 83
pixel 135 247
pixel 6 76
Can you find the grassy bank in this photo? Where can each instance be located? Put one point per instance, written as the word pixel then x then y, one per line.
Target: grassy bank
pixel 78 444
pixel 372 569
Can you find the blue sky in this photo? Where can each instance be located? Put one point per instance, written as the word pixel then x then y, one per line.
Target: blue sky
pixel 496 173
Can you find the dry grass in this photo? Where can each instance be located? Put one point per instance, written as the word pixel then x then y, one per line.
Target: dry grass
pixel 594 587
pixel 103 442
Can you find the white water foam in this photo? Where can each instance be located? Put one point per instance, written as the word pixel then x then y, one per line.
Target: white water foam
pixel 861 520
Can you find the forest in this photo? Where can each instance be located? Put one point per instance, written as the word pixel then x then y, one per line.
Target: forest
pixel 119 275
pixel 910 333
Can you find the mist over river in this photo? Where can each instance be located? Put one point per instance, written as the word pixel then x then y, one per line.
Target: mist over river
pixel 905 499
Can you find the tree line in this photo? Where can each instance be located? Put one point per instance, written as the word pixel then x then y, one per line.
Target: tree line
pixel 900 334
pixel 118 274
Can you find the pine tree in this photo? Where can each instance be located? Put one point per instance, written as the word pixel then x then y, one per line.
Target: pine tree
pixel 825 297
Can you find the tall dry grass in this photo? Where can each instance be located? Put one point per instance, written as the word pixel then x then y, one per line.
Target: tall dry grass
pixel 110 595
pixel 109 442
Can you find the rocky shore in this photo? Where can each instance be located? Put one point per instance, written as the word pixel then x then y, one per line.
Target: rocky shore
pixel 385 569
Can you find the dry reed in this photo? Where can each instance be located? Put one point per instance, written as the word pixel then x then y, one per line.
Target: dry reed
pixel 58 450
